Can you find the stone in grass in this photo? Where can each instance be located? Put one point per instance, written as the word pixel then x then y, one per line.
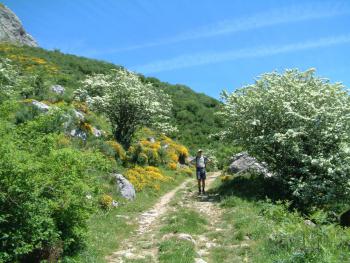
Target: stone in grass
pixel 309 223
pixel 187 237
pixel 127 190
pixel 96 132
pixel 40 105
pixel 78 134
pixel 58 89
pixel 79 115
pixel 182 236
pixel 199 260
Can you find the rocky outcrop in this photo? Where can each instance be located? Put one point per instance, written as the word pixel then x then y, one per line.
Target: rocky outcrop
pixel 40 105
pixel 127 190
pixel 58 89
pixel 11 29
pixel 242 162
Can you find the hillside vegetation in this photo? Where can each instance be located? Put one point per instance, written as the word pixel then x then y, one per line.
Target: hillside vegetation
pixel 192 113
pixel 68 125
pixel 58 151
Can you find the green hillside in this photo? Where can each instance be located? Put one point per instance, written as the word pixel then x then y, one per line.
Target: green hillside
pixel 57 154
pixel 193 113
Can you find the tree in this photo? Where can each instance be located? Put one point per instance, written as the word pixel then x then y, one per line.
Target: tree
pixel 127 102
pixel 299 125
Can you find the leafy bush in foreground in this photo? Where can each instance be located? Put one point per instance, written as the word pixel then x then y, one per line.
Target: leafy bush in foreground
pixel 299 125
pixel 43 185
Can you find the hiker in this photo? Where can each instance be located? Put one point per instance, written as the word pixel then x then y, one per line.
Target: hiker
pixel 201 163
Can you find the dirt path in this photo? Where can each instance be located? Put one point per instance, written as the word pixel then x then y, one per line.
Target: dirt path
pixel 143 244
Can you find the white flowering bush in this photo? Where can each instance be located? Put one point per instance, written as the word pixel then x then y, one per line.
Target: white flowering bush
pixel 8 79
pixel 299 125
pixel 128 103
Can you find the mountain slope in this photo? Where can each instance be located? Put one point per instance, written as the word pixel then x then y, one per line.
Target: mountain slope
pixel 193 113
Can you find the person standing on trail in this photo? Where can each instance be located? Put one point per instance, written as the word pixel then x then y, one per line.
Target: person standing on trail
pixel 201 163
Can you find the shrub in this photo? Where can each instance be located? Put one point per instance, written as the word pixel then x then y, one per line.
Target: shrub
pixel 146 177
pixel 162 151
pixel 119 150
pixel 127 102
pixel 299 125
pixel 172 166
pixel 106 201
pixel 43 188
pixel 187 170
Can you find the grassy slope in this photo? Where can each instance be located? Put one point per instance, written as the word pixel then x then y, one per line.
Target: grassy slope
pixel 262 231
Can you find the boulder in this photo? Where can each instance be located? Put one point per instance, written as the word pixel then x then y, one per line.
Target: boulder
pixel 58 89
pixel 309 223
pixel 79 115
pixel 40 105
pixel 96 132
pixel 244 162
pixel 151 139
pixel 127 190
pixel 79 134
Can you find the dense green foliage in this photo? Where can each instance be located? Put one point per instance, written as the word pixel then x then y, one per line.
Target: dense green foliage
pixel 44 183
pixel 299 125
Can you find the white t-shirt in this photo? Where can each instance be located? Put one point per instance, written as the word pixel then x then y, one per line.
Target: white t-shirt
pixel 200 161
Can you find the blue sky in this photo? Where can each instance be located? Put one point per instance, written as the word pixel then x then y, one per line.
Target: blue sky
pixel 205 44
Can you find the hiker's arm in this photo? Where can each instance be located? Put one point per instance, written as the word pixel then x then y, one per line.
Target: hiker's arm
pixel 192 161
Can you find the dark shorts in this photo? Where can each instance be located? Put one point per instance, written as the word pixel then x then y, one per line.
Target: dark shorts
pixel 200 173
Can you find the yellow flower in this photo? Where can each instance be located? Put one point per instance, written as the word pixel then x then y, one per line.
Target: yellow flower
pixel 146 177
pixel 172 166
pixel 106 201
pixel 118 148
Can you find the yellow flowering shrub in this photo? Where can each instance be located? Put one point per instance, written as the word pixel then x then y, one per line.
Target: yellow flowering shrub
pixel 30 64
pixel 172 166
pixel 163 150
pixel 187 170
pixel 118 148
pixel 174 157
pixel 146 177
pixel 153 145
pixel 106 201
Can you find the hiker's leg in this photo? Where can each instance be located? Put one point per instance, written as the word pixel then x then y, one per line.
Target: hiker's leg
pixel 203 177
pixel 198 175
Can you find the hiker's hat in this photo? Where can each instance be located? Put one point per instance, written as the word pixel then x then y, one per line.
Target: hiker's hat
pixel 200 150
